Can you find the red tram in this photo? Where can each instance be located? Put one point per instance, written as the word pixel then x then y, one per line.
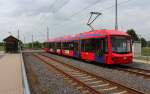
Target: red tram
pixel 102 46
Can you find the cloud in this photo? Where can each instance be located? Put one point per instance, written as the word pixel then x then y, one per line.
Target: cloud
pixel 33 16
pixel 92 1
pixel 57 5
pixel 36 7
pixel 28 7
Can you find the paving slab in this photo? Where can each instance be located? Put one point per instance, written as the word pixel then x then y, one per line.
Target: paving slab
pixel 10 74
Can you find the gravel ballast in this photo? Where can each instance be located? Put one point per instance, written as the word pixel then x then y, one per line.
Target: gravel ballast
pixel 124 78
pixel 48 82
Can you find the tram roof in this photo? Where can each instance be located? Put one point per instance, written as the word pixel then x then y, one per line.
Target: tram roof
pixel 90 34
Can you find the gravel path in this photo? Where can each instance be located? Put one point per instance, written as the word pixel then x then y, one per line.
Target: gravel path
pixel 1 55
pixel 140 65
pixel 130 80
pixel 49 82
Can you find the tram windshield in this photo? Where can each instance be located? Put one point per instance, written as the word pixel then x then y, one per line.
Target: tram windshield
pixel 121 44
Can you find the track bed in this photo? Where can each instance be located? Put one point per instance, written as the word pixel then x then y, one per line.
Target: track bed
pixel 43 80
pixel 131 80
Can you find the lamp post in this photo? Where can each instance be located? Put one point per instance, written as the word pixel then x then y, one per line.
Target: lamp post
pixel 116 15
pixel 140 43
pixel 9 33
pixel 47 33
pixel 47 44
pixel 32 41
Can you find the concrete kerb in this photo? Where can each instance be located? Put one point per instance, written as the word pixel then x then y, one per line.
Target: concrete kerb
pixel 26 88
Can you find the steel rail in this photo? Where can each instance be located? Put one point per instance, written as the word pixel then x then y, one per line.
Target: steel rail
pixel 93 91
pixel 131 90
pixel 137 71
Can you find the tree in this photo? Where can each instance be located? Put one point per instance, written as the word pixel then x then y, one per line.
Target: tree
pixel 136 38
pixel 144 42
pixel 29 45
pixel 133 34
pixel 148 43
pixel 37 44
pixel 1 43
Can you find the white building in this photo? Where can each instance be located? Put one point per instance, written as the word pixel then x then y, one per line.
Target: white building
pixel 136 48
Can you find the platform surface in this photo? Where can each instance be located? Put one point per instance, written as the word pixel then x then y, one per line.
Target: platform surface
pixel 141 61
pixel 10 74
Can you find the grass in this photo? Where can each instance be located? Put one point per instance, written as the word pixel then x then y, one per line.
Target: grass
pixel 146 51
pixel 145 54
pixel 1 48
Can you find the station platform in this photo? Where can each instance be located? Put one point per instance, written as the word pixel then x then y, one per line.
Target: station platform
pixel 10 74
pixel 141 61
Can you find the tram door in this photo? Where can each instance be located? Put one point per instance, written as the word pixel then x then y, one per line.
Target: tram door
pixel 100 46
pixel 76 50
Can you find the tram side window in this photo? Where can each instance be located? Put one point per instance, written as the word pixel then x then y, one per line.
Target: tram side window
pixel 83 45
pixel 50 45
pixel 53 45
pixel 68 45
pixel 71 45
pixel 46 44
pixel 88 45
pixel 105 45
pixel 99 46
pixel 75 45
pixel 64 45
pixel 58 45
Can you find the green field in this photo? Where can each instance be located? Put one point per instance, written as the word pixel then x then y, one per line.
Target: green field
pixel 1 48
pixel 146 51
pixel 145 54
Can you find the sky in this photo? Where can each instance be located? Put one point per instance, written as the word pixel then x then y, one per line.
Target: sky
pixel 67 17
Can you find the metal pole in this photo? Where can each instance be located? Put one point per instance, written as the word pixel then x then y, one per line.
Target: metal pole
pixel 47 33
pixel 140 45
pixel 24 41
pixel 18 34
pixel 116 15
pixel 47 37
pixel 18 42
pixel 9 33
pixel 32 41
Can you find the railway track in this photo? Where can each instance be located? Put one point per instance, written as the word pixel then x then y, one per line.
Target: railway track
pixel 136 71
pixel 87 82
